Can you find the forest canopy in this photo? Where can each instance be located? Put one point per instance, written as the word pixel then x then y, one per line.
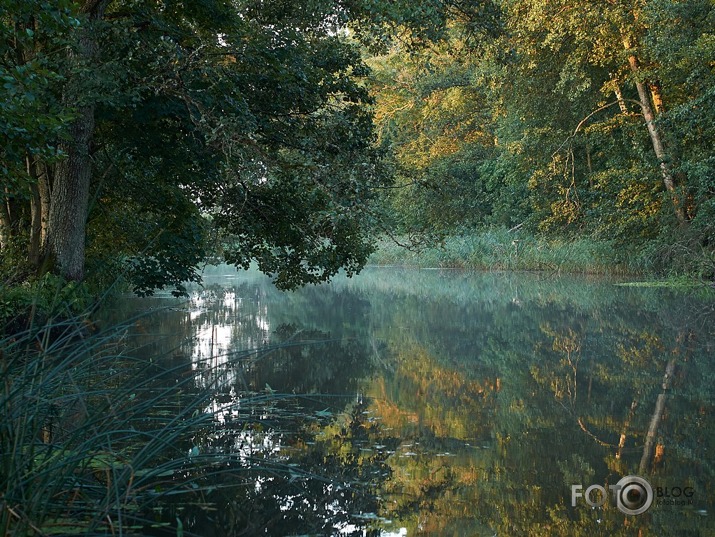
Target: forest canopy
pixel 138 135
pixel 568 119
pixel 141 138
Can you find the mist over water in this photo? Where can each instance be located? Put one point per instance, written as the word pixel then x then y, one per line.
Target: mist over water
pixel 423 402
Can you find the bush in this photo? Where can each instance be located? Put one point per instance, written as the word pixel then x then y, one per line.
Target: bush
pixel 38 301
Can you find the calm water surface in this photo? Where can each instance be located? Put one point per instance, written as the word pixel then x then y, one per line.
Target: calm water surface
pixel 420 402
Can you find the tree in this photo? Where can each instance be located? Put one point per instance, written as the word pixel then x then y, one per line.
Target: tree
pixel 436 114
pixel 586 107
pixel 251 113
pixel 70 189
pixel 32 117
pixel 679 46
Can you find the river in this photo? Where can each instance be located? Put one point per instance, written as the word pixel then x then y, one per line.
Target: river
pixel 409 402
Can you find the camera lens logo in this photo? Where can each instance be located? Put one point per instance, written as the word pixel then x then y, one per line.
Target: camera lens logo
pixel 634 495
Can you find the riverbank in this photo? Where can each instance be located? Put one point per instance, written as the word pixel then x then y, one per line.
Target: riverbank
pixel 503 250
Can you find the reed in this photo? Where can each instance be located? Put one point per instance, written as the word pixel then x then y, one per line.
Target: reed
pixel 501 249
pixel 95 440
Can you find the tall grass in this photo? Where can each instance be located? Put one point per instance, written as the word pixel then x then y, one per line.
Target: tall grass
pixel 97 441
pixel 500 249
pixel 84 436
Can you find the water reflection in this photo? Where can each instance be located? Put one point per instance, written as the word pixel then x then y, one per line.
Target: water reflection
pixel 438 403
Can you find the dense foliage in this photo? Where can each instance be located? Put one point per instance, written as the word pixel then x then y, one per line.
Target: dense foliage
pixel 142 130
pixel 140 138
pixel 574 119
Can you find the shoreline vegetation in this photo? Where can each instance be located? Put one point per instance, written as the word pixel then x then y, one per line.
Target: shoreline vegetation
pixel 500 250
pixel 504 250
pixel 91 471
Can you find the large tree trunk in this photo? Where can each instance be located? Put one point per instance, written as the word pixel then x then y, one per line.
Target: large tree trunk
pixel 655 136
pixel 70 195
pixel 70 190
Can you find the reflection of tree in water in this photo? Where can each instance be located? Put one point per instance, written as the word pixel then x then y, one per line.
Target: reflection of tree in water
pixel 317 480
pixel 577 386
pixel 440 415
pixel 289 440
pixel 309 361
pixel 614 396
pixel 482 406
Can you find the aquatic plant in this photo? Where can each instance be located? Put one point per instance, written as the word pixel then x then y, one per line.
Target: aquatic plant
pixel 99 436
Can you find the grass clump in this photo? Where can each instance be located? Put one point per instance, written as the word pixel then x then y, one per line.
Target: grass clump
pixel 501 249
pixel 85 439
pixel 101 435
